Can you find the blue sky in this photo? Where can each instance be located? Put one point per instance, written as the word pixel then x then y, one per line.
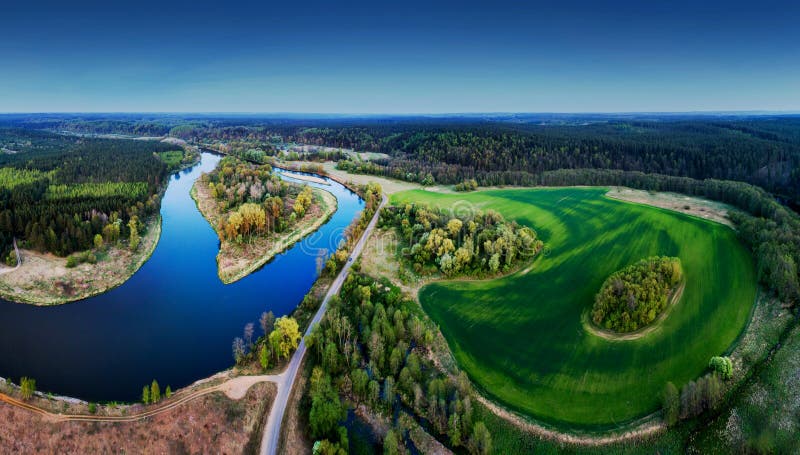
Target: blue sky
pixel 399 57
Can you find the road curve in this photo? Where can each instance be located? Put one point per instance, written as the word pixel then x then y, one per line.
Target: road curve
pixel 285 381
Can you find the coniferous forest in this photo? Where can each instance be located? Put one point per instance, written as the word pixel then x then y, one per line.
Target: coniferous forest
pixel 58 192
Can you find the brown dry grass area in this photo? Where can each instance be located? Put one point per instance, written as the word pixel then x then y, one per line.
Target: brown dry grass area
pixel 235 261
pixel 389 186
pixel 294 439
pixel 701 208
pixel 210 424
pixel 44 279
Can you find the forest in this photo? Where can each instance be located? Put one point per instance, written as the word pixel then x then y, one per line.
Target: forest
pixel 255 200
pixel 57 193
pixel 373 348
pixel 503 149
pixel 633 297
pixel 467 244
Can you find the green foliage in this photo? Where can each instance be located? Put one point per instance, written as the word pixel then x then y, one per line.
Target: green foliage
pixel 146 394
pixel 254 200
pixel 111 190
pixel 11 259
pixel 11 177
pixel 326 408
pixel 285 337
pixel 633 297
pixel 175 159
pixel 263 357
pixel 168 392
pixel 722 366
pixel 392 443
pixel 470 244
pixel 354 344
pixel 510 334
pixel 76 259
pixel 467 185
pixel 92 408
pixel 481 441
pixel 671 404
pixel 155 392
pixel 27 387
pixel 69 190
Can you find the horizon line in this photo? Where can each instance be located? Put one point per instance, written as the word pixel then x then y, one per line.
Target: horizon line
pixel 418 114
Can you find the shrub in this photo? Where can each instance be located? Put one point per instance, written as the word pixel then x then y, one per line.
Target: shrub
pixel 722 366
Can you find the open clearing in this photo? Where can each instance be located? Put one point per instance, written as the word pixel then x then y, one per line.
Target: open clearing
pixel 521 339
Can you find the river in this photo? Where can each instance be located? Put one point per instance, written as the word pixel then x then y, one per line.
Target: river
pixel 174 320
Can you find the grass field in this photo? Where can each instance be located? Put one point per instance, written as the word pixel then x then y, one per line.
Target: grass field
pixel 521 340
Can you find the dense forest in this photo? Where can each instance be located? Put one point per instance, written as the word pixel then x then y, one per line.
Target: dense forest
pixel 633 297
pixel 372 347
pixel 255 201
pixel 503 150
pixel 57 193
pixel 468 244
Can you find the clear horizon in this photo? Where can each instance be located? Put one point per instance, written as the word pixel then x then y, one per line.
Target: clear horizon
pixel 414 58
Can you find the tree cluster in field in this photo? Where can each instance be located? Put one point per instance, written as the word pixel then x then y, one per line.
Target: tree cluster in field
pixel 280 337
pixel 696 397
pixel 151 394
pixel 254 200
pixel 372 195
pixel 633 297
pixel 467 185
pixel 373 347
pixel 471 244
pixel 56 198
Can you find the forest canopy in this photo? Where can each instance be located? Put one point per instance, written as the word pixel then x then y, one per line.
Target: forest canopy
pixel 460 244
pixel 633 297
pixel 58 192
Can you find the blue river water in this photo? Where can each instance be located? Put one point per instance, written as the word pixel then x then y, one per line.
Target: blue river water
pixel 174 320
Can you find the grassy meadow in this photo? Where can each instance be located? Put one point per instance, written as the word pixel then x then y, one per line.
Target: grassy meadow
pixel 522 340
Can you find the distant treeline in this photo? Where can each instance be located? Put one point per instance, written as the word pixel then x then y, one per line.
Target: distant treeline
pixel 58 196
pixel 507 151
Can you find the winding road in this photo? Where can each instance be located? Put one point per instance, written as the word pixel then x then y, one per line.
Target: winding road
pixel 285 381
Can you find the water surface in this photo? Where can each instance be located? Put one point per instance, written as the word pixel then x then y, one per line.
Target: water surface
pixel 174 320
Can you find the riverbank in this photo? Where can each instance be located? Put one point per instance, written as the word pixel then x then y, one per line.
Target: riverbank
pixel 235 261
pixel 219 414
pixel 44 279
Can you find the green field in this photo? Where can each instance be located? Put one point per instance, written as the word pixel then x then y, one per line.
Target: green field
pixel 521 339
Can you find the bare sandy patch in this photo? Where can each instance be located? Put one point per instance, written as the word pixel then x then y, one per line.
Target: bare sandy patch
pixel 44 279
pixel 210 423
pixel 695 206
